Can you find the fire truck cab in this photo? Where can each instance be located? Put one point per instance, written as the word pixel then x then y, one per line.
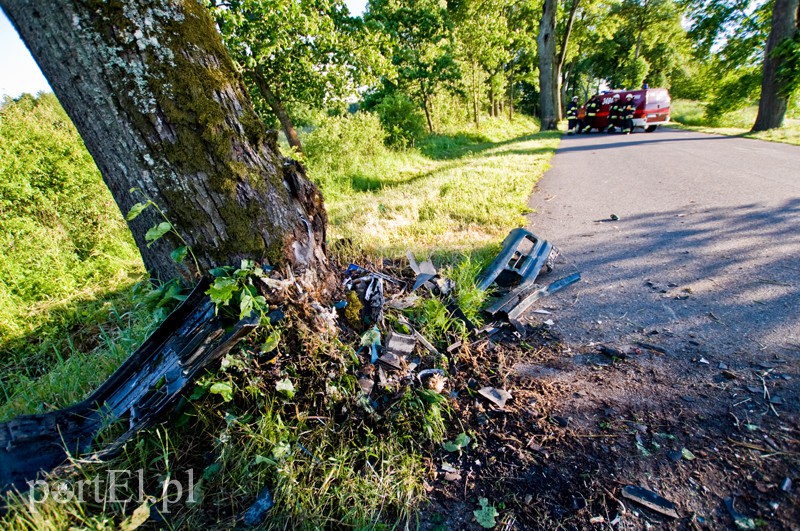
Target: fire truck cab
pixel 652 108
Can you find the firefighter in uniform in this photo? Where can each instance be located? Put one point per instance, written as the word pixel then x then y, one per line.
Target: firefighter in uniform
pixel 572 115
pixel 627 114
pixel 613 114
pixel 592 106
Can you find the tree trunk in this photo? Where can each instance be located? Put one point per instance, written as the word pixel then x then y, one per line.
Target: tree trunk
pixel 773 102
pixel 426 105
pixel 562 56
pixel 279 110
pixel 548 85
pixel 511 95
pixel 161 108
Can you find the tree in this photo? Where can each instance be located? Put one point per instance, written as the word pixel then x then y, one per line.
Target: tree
pixel 774 86
pixel 548 83
pixel 162 109
pixel 422 46
pixel 292 51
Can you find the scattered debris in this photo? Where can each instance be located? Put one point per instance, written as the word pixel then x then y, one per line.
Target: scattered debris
pixel 741 521
pixel 611 352
pixel 257 512
pixel 519 264
pixel 649 346
pixel 400 344
pixel 425 271
pixel 498 397
pixel 650 499
pixel 786 484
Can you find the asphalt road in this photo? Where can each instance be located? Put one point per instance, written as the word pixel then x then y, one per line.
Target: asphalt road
pixel 705 256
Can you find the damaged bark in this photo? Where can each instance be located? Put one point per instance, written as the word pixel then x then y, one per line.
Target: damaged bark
pixel 163 112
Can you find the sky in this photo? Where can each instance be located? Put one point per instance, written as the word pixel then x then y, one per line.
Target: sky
pixel 19 72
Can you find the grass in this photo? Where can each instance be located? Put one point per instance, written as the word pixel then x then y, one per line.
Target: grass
pixel 688 114
pixel 458 193
pixel 328 461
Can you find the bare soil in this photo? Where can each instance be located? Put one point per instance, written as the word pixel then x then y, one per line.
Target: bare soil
pixel 582 425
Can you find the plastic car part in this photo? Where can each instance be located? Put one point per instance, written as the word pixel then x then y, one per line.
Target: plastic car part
pixel 520 261
pixel 145 387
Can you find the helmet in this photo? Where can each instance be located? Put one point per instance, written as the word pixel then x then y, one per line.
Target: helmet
pixel 629 97
pixel 574 98
pixel 616 96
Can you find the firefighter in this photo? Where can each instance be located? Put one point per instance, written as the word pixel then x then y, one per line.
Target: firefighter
pixel 627 114
pixel 592 106
pixel 613 114
pixel 572 115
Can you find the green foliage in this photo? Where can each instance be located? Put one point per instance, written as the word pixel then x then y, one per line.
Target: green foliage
pixel 234 293
pixel 401 119
pixel 789 70
pixel 736 91
pixel 485 516
pixel 422 44
pixel 60 229
pixel 361 137
pixel 297 53
pixel 461 441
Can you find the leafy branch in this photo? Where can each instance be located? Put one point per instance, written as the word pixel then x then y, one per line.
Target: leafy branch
pixel 156 232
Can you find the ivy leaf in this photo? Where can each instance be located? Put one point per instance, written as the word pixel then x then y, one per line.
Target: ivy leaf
pixel 157 232
pixel 462 441
pixel 245 305
pixel 179 254
pixel 222 290
pixel 485 516
pixel 222 389
pixel 271 343
pixel 136 209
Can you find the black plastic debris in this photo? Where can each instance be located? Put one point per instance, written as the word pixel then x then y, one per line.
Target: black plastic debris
pixel 145 387
pixel 518 265
pixel 650 499
pixel 256 513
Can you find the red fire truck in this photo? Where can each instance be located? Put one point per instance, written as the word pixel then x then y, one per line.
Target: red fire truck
pixel 652 108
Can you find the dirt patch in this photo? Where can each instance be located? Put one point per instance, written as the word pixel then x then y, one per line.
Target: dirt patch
pixel 582 425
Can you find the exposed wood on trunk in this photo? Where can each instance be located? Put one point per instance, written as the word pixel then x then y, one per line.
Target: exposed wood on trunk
pixel 161 108
pixel 773 102
pixel 280 111
pixel 548 83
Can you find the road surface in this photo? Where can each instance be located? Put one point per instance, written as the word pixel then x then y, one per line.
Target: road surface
pixel 705 256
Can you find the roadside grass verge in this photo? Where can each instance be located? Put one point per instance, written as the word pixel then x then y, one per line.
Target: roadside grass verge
pixel 689 115
pixel 327 460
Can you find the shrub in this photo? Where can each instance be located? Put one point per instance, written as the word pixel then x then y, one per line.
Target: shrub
pixel 341 150
pixel 402 120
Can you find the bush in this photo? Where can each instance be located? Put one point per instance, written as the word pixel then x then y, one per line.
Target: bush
pixel 341 150
pixel 402 120
pixel 59 226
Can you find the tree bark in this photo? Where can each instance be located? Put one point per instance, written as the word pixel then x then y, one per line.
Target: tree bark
pixel 562 56
pixel 161 108
pixel 548 84
pixel 773 102
pixel 280 111
pixel 426 106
